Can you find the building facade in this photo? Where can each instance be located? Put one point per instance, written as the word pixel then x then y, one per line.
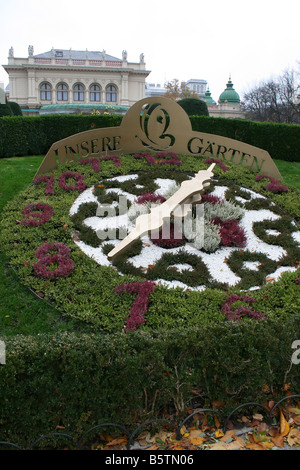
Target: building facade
pixel 229 105
pixel 74 77
pixel 198 86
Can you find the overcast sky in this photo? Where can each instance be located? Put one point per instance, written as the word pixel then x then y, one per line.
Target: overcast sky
pixel 249 40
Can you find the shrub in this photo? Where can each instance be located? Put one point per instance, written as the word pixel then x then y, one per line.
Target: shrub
pixel 21 135
pixel 194 106
pixel 282 141
pixel 15 108
pixel 50 381
pixel 5 110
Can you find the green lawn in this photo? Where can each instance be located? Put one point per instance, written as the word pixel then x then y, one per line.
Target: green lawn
pixel 290 172
pixel 21 312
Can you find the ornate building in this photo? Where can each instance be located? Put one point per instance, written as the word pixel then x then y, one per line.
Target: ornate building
pixel 229 104
pixel 67 77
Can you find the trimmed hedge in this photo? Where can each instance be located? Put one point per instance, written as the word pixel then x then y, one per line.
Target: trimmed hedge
pixel 20 136
pixel 194 106
pixel 76 381
pixel 35 135
pixel 282 141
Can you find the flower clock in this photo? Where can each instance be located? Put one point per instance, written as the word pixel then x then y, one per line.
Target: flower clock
pixel 224 259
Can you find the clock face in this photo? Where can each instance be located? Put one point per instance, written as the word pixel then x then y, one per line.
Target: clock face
pixel 226 240
pixel 237 238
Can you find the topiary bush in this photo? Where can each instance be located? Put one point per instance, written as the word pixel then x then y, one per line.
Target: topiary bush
pixel 5 110
pixel 194 106
pixel 15 108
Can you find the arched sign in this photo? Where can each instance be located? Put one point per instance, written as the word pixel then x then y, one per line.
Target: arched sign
pixel 158 124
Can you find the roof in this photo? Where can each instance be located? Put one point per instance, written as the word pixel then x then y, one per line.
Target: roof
pixel 229 95
pixel 76 55
pixel 207 98
pixel 78 108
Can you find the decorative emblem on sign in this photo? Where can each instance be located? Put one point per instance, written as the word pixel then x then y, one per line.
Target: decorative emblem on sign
pixel 154 121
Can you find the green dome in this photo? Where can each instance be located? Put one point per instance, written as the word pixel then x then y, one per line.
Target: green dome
pixel 207 98
pixel 229 95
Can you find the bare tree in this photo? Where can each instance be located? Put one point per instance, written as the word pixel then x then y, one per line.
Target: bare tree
pixel 276 100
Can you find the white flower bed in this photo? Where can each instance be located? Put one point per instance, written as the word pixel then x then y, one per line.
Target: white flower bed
pixel 215 262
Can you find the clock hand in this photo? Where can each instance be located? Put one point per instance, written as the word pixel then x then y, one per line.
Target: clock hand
pixel 188 192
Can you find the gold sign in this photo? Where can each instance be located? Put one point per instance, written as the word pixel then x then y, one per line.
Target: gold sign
pixel 157 124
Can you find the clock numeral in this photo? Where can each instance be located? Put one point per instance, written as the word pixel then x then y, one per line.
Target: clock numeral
pixel 36 213
pixel 140 305
pixel 54 261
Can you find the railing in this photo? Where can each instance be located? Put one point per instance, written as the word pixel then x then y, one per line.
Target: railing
pixel 94 63
pixel 80 443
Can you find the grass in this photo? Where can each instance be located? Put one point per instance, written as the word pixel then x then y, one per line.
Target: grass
pixel 290 172
pixel 21 312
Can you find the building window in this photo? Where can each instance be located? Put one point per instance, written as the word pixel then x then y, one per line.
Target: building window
pixel 95 93
pixel 62 92
pixel 111 94
pixel 45 92
pixel 78 92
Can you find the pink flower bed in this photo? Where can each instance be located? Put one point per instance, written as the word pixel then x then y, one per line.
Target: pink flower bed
pixel 143 289
pixel 241 311
pixel 46 266
pixel 78 177
pixel 231 233
pixel 36 213
pixel 218 162
pixel 49 180
pixel 273 186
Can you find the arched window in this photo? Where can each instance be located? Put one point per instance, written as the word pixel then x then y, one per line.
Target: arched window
pixel 95 93
pixel 78 92
pixel 62 92
pixel 111 94
pixel 45 92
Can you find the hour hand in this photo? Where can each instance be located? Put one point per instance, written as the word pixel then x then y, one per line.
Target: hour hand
pixel 144 224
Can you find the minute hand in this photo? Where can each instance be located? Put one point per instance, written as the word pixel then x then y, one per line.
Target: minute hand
pixel 154 220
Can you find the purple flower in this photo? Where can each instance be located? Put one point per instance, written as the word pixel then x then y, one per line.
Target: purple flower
pixel 114 158
pixel 36 213
pixel 149 197
pixel 143 289
pixel 49 180
pixel 218 162
pixel 164 155
pixel 79 186
pixel 94 163
pixel 150 158
pixel 273 186
pixel 240 311
pixel 54 261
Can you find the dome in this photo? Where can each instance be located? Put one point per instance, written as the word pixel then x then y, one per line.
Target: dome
pixel 208 99
pixel 229 95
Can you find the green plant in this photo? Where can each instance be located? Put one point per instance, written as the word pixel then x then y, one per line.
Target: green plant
pixel 194 106
pixel 5 110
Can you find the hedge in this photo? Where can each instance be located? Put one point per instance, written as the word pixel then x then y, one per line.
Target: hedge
pixel 20 136
pixel 76 381
pixel 282 141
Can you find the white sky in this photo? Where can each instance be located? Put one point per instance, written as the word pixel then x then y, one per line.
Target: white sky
pixel 249 40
